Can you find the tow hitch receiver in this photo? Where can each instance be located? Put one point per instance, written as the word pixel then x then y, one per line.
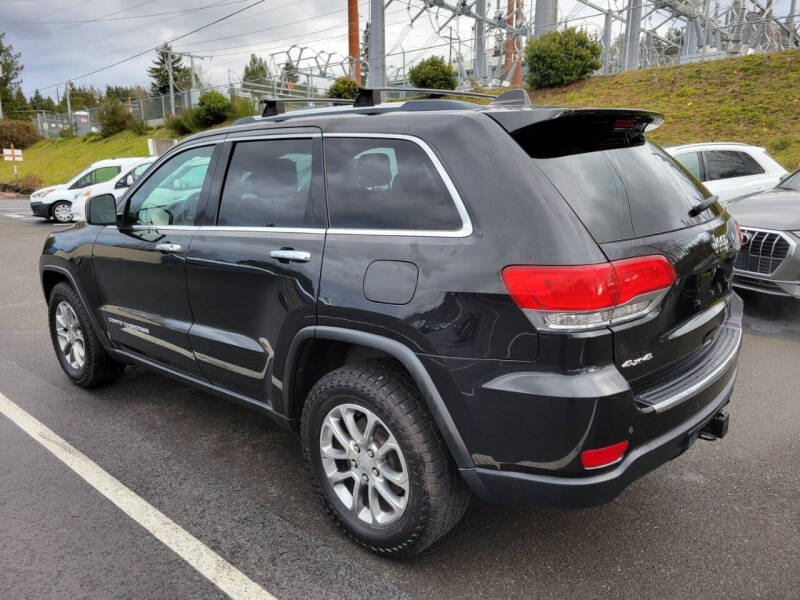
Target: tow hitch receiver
pixel 716 427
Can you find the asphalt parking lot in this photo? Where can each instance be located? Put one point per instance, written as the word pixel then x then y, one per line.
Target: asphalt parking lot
pixel 721 521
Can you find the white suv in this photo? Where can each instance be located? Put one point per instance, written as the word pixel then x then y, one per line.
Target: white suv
pixel 729 169
pixel 56 201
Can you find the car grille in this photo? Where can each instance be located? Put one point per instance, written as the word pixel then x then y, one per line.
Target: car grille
pixel 764 252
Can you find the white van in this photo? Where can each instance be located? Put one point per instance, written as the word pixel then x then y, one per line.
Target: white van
pixel 56 201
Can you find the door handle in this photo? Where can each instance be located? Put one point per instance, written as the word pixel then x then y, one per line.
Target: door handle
pixel 289 255
pixel 167 247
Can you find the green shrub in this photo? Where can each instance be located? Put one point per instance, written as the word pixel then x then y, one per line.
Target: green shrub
pixel 777 144
pixel 138 127
pixel 66 132
pixel 242 107
pixel 343 87
pixel 433 73
pixel 20 133
pixel 561 57
pixel 213 108
pixel 113 117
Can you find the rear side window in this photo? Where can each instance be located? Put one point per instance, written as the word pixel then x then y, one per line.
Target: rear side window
pixel 100 175
pixel 691 162
pixel 725 164
pixel 386 184
pixel 626 192
pixel 273 183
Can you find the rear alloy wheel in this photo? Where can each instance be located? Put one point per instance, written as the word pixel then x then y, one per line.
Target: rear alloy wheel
pixel 364 464
pixel 377 461
pixel 62 212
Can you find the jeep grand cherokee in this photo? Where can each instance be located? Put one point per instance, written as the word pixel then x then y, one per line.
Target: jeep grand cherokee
pixel 530 304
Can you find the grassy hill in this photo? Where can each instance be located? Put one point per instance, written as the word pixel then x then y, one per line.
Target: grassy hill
pixel 56 160
pixel 753 99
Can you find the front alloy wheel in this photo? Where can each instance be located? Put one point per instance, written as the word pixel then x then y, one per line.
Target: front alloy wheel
pixel 70 336
pixel 364 464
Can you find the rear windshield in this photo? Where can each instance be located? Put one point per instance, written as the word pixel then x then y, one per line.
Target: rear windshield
pixel 628 192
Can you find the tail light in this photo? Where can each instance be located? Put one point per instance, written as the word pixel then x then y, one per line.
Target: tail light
pixel 588 296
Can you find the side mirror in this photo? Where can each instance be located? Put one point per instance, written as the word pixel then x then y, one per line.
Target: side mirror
pixel 101 210
pixel 129 180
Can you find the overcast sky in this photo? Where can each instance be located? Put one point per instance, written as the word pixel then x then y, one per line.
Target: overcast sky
pixel 64 39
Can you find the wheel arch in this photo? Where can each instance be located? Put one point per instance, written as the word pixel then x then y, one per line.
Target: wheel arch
pixel 51 276
pixel 385 347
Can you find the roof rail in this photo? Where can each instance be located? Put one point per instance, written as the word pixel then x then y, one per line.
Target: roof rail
pixel 372 96
pixel 277 106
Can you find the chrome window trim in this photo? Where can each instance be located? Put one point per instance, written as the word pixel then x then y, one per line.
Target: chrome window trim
pixel 232 229
pixel 784 235
pixel 466 223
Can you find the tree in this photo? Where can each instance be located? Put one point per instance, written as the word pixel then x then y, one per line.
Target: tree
pixel 212 108
pixel 561 57
pixel 365 55
pixel 11 66
pixel 433 73
pixel 343 87
pixel 255 70
pixel 159 71
pixel 113 117
pixel 290 72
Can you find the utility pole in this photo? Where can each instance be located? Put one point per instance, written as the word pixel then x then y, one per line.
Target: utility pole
pixel 479 66
pixel 1 100
pixel 171 85
pixel 353 42
pixel 377 47
pixel 607 42
pixel 69 106
pixel 633 30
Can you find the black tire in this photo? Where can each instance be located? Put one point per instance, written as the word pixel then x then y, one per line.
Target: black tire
pixel 53 212
pixel 98 367
pixel 437 495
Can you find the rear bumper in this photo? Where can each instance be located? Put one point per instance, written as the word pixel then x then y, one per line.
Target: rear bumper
pixel 576 492
pixel 40 209
pixel 539 424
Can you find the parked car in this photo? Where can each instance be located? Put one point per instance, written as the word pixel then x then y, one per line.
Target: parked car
pixel 770 258
pixel 531 304
pixel 55 201
pixel 729 170
pixel 116 186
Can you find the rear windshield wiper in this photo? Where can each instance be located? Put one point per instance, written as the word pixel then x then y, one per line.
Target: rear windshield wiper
pixel 703 206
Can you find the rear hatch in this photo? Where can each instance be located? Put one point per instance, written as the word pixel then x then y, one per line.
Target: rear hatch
pixel 635 200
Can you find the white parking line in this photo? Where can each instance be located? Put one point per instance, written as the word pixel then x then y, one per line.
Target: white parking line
pixel 208 563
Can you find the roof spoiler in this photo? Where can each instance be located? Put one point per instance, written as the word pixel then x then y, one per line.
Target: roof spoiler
pixel 553 132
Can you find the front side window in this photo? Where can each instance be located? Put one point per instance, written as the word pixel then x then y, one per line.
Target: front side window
pixel 274 183
pixel 171 194
pixel 691 162
pixel 791 183
pixel 96 176
pixel 386 184
pixel 725 164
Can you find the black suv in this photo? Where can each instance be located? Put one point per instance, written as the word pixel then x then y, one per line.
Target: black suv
pixel 531 304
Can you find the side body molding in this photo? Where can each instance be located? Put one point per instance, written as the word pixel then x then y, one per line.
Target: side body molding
pixel 407 358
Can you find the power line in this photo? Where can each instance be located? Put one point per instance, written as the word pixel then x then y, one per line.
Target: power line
pixel 130 17
pixel 138 54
